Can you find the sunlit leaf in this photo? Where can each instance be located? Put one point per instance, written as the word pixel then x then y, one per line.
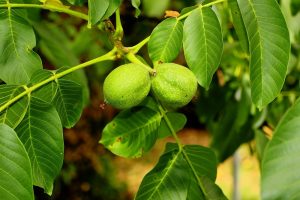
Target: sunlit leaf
pixel 113 6
pixel 239 25
pixel 178 120
pixel 15 169
pixel 132 132
pixel 97 9
pixel 202 44
pixel 168 180
pixel 269 48
pixel 166 40
pixel 281 163
pixel 136 4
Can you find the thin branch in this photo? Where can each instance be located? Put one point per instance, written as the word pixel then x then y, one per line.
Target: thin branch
pixel 47 7
pixel 109 56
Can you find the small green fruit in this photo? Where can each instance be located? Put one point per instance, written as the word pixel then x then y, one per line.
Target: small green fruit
pixel 174 85
pixel 126 86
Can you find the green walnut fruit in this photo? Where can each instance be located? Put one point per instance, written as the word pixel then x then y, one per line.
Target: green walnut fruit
pixel 126 86
pixel 174 85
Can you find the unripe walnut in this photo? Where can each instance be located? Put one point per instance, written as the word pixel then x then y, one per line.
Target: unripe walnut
pixel 174 85
pixel 126 86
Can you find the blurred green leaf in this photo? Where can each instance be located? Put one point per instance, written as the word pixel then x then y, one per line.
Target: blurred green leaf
pixel 136 4
pixel 281 163
pixel 232 127
pixel 97 9
pixel 14 114
pixel 113 6
pixel 15 169
pixel 269 48
pixel 202 44
pixel 132 132
pixel 239 25
pixel 17 59
pixel 41 133
pixel 57 48
pixel 178 120
pixel 155 8
pixel 166 40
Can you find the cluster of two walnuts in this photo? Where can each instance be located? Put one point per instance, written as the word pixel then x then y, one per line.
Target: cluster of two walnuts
pixel 128 85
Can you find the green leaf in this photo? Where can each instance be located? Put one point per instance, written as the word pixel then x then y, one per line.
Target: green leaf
pixel 239 25
pixel 178 120
pixel 15 169
pixel 281 163
pixel 14 114
pixel 174 176
pixel 269 48
pixel 168 180
pixel 46 92
pixel 202 44
pixel 57 48
pixel 155 8
pixel 41 133
pixel 213 192
pixel 136 4
pixel 68 102
pixel 233 125
pixel 97 9
pixel 113 6
pixel 17 59
pixel 132 132
pixel 203 160
pixel 166 40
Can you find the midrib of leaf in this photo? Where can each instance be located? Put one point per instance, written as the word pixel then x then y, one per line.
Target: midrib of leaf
pixel 169 38
pixel 205 44
pixel 260 50
pixel 166 173
pixel 11 27
pixel 65 109
pixel 150 122
pixel 202 188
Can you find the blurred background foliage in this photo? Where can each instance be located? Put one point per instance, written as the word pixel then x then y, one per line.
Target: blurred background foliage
pixel 222 117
